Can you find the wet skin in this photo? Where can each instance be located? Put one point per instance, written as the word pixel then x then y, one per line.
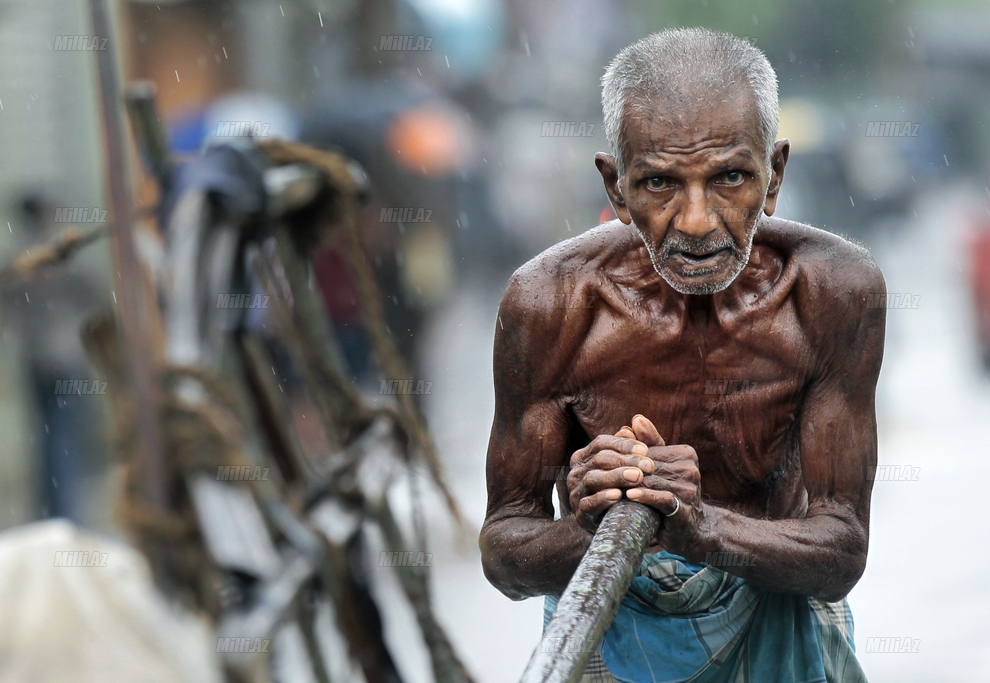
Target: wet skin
pixel 600 363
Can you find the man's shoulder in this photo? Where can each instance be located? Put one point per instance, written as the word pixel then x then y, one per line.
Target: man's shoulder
pixel 833 269
pixel 545 308
pixel 837 288
pixel 556 278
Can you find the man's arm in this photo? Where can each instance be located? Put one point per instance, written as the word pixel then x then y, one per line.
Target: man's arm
pixel 525 552
pixel 824 554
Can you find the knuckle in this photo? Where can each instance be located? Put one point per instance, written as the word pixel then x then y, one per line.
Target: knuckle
pixel 654 483
pixel 601 442
pixel 688 470
pixel 589 504
pixel 602 461
pixel 663 454
pixel 595 480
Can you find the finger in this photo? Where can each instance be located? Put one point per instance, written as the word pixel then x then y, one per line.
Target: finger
pixel 646 431
pixel 664 501
pixel 621 478
pixel 626 433
pixel 618 444
pixel 595 505
pixel 675 456
pixel 610 460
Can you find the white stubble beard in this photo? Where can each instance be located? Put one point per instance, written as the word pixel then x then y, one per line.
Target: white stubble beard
pixel 740 262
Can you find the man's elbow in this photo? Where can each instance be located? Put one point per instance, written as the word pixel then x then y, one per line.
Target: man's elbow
pixel 846 574
pixel 497 567
pixel 500 576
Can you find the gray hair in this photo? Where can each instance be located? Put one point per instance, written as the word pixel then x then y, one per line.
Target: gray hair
pixel 672 64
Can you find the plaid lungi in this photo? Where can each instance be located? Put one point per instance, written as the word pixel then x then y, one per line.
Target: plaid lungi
pixel 686 623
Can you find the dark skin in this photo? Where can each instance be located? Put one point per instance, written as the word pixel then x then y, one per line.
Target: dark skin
pixel 600 363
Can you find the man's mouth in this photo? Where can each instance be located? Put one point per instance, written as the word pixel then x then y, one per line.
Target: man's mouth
pixel 693 261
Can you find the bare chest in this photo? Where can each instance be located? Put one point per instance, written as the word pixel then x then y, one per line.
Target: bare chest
pixel 734 395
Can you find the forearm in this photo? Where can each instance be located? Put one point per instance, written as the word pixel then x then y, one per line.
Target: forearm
pixel 821 556
pixel 526 557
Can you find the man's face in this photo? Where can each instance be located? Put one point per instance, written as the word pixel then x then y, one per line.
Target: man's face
pixel 694 185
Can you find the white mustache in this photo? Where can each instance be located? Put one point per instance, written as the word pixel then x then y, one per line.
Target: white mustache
pixel 708 245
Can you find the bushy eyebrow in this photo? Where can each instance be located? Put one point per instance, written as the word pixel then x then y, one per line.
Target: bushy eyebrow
pixel 739 159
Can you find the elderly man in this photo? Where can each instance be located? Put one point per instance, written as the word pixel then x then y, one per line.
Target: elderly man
pixel 704 358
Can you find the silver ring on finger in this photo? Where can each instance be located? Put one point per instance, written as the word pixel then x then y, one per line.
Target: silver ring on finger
pixel 676 507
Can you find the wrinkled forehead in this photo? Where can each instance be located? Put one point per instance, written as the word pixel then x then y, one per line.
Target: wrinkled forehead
pixel 690 120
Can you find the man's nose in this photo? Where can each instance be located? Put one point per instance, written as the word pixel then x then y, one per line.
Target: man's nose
pixel 695 217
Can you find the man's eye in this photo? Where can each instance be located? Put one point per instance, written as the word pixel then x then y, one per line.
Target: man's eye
pixel 733 177
pixel 658 183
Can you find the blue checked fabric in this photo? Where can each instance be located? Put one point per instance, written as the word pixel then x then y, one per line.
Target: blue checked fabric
pixel 689 623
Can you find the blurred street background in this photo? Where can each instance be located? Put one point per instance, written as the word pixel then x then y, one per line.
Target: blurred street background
pixel 477 122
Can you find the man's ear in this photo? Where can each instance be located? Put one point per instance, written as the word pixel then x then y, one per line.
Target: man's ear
pixel 610 174
pixel 781 150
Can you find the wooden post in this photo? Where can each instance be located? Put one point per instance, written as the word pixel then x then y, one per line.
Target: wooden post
pixel 591 600
pixel 130 284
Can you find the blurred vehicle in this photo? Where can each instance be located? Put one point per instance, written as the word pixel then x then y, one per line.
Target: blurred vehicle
pixel 979 283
